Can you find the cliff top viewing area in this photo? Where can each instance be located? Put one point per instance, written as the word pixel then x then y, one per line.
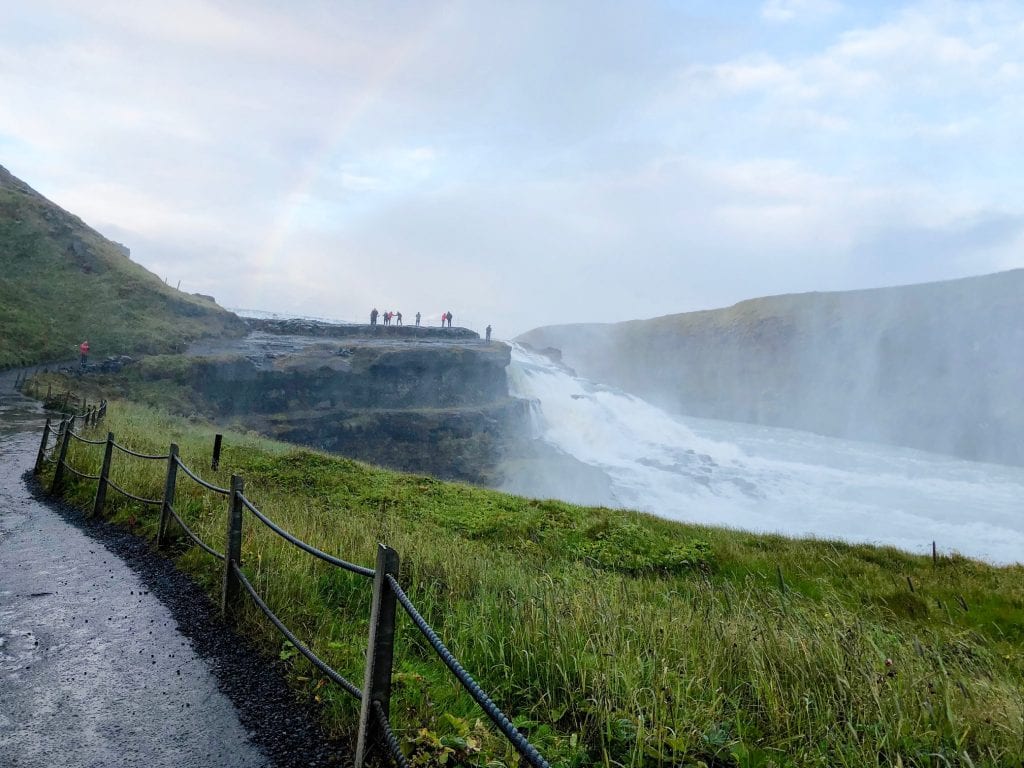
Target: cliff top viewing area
pixel 302 327
pixel 272 340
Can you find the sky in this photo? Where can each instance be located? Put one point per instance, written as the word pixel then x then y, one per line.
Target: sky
pixel 525 163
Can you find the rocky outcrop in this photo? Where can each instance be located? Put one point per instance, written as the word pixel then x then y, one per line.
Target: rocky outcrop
pixel 434 403
pixel 936 366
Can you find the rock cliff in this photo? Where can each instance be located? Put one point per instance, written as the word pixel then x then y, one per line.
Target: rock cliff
pixel 937 366
pixel 416 399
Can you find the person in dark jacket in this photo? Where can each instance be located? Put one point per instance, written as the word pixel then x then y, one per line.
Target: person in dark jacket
pixel 373 316
pixel 488 338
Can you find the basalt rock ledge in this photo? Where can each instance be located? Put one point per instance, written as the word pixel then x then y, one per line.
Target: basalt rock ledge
pixel 418 399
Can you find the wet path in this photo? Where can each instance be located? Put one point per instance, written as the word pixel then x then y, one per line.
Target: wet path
pixel 93 669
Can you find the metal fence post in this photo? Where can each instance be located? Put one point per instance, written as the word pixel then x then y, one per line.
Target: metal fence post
pixel 233 551
pixel 58 473
pixel 215 461
pixel 101 487
pixel 379 654
pixel 41 456
pixel 165 509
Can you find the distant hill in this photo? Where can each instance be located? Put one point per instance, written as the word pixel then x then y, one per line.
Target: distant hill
pixel 938 366
pixel 62 282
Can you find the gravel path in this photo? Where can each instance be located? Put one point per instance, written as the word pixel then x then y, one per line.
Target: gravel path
pixel 109 656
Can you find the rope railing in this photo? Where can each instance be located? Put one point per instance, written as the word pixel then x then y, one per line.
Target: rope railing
pixel 82 475
pixel 491 709
pixel 130 452
pixel 81 439
pixel 359 569
pixel 315 660
pixel 191 534
pixel 122 491
pixel 374 724
pixel 204 483
pixel 389 736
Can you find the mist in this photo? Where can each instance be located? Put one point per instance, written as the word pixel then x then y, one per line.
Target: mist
pixel 593 444
pixel 936 366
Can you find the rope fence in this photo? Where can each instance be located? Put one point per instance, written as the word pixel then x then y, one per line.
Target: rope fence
pixel 352 567
pixel 376 734
pixel 191 534
pixel 301 647
pixel 150 456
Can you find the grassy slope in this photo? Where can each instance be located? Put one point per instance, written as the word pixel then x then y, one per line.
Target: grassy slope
pixel 590 625
pixel 61 282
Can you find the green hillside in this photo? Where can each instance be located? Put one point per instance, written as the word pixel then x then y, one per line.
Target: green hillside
pixel 62 282
pixel 613 638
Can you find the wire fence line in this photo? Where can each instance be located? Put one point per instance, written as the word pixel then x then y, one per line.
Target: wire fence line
pixel 375 735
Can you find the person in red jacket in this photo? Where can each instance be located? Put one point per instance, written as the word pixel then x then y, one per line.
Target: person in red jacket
pixel 83 348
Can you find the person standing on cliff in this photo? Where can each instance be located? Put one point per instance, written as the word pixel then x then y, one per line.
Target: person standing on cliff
pixel 83 349
pixel 488 333
pixel 417 319
pixel 373 316
pixel 398 318
pixel 449 313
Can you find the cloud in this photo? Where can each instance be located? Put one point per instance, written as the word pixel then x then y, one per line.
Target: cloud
pixel 528 163
pixel 797 10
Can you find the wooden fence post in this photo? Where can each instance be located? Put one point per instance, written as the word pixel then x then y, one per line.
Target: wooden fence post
pixel 101 486
pixel 58 473
pixel 165 509
pixel 41 456
pixel 379 654
pixel 215 461
pixel 233 549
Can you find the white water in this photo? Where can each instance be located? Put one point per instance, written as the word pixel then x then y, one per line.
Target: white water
pixel 769 479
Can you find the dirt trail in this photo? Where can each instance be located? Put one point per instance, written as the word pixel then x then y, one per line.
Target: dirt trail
pixel 93 668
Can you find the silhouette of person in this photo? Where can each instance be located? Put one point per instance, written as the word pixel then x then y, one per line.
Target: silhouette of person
pixel 488 333
pixel 373 316
pixel 417 319
pixel 398 318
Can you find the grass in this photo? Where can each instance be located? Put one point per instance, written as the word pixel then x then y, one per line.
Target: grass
pixel 61 283
pixel 614 638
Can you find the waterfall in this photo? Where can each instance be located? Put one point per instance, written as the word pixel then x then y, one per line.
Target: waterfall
pixel 597 445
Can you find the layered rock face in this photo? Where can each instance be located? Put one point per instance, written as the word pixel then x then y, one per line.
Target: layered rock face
pixel 423 400
pixel 938 366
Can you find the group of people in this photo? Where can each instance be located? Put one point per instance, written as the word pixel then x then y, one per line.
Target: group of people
pixel 389 317
pixel 396 318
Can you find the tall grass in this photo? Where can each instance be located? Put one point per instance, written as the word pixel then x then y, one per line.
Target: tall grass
pixel 697 656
